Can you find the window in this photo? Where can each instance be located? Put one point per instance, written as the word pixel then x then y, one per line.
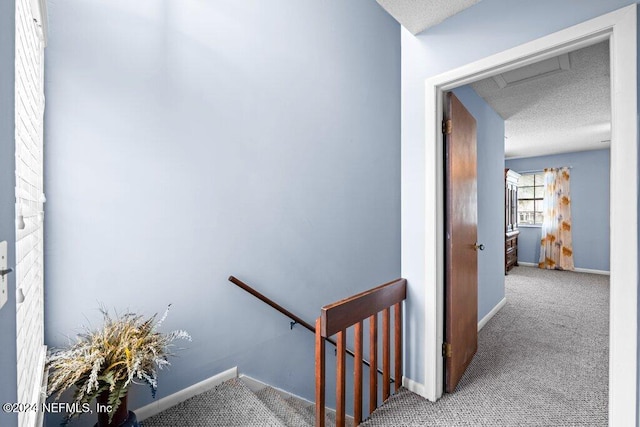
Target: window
pixel 530 195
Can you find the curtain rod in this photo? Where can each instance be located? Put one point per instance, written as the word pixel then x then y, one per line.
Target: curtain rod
pixel 542 170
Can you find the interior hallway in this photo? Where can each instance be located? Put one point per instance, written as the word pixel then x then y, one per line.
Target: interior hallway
pixel 541 361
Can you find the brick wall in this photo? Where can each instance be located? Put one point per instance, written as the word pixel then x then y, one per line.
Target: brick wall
pixel 29 189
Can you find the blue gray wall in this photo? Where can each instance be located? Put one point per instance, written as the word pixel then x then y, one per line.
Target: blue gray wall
pixel 490 141
pixel 8 373
pixel 589 207
pixel 486 28
pixel 189 140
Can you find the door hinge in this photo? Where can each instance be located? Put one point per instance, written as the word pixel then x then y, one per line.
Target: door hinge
pixel 446 350
pixel 447 127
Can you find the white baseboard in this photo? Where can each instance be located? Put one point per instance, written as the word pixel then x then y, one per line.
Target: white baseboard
pixel 418 388
pixel 577 270
pixel 492 313
pixel 414 386
pixel 591 271
pixel 527 264
pixel 166 402
pixel 257 385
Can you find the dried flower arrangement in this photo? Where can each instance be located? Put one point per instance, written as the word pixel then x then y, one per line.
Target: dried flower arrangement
pixel 127 348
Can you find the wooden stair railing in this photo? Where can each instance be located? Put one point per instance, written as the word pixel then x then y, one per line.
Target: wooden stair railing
pixel 353 311
pixel 296 319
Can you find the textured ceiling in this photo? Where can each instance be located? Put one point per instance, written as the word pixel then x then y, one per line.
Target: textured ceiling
pixel 561 105
pixel 563 111
pixel 418 15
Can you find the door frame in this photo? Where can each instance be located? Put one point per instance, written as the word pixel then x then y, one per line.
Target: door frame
pixel 619 27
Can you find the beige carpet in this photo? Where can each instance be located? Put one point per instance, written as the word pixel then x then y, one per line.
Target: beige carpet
pixel 542 361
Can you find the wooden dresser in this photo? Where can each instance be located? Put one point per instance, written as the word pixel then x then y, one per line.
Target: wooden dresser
pixel 511 219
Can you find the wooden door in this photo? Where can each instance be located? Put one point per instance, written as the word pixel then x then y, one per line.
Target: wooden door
pixel 461 223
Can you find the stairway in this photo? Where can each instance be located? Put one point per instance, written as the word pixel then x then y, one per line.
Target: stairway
pixel 241 402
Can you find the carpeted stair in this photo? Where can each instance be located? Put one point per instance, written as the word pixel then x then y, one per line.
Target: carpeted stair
pixel 233 403
pixel 541 361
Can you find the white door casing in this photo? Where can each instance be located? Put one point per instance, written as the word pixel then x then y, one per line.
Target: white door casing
pixel 619 27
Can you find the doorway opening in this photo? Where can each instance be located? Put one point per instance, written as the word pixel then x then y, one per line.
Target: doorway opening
pixel 619 28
